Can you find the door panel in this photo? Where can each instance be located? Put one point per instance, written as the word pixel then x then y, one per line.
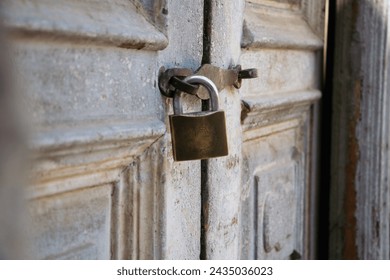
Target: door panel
pixel 81 223
pixel 104 184
pixel 278 121
pixel 271 125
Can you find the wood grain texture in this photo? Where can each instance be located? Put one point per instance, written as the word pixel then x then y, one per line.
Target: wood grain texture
pixel 224 174
pixel 272 105
pixel 360 157
pixel 88 73
pixel 268 123
pixel 179 217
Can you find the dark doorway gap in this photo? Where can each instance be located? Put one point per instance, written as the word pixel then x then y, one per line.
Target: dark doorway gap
pixel 206 58
pixel 326 139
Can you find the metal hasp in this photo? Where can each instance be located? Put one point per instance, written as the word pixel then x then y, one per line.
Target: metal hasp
pixel 198 135
pixel 168 77
pixel 172 79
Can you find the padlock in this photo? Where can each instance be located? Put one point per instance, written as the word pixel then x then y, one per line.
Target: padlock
pixel 198 135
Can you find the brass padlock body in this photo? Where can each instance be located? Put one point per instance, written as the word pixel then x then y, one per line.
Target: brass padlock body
pixel 199 135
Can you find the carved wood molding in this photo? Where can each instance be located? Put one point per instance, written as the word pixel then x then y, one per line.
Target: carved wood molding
pixel 115 23
pixel 276 134
pixel 277 169
pixel 156 11
pixel 286 25
pixel 82 151
pixel 259 111
pixel 121 208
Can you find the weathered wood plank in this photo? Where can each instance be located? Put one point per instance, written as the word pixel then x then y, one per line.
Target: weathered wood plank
pixel 278 26
pixel 88 73
pixel 179 200
pixel 116 23
pixel 271 129
pixel 222 208
pixel 359 217
pixel 74 225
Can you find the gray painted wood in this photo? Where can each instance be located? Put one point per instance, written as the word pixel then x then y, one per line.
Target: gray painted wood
pixel 13 159
pixel 224 174
pixel 103 183
pixel 275 26
pixel 179 216
pixel 104 22
pixel 270 131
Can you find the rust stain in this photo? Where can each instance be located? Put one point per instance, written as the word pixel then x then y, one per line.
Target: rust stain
pixel 350 250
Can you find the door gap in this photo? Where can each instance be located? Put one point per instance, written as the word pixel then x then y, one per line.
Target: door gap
pixel 204 164
pixel 323 196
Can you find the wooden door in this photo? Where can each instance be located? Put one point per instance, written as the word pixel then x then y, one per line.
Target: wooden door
pixel 104 184
pixel 262 196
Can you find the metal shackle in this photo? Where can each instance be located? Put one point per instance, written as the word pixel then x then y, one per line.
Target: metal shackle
pixel 198 80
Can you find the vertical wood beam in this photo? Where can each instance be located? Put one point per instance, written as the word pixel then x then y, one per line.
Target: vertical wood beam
pixel 360 217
